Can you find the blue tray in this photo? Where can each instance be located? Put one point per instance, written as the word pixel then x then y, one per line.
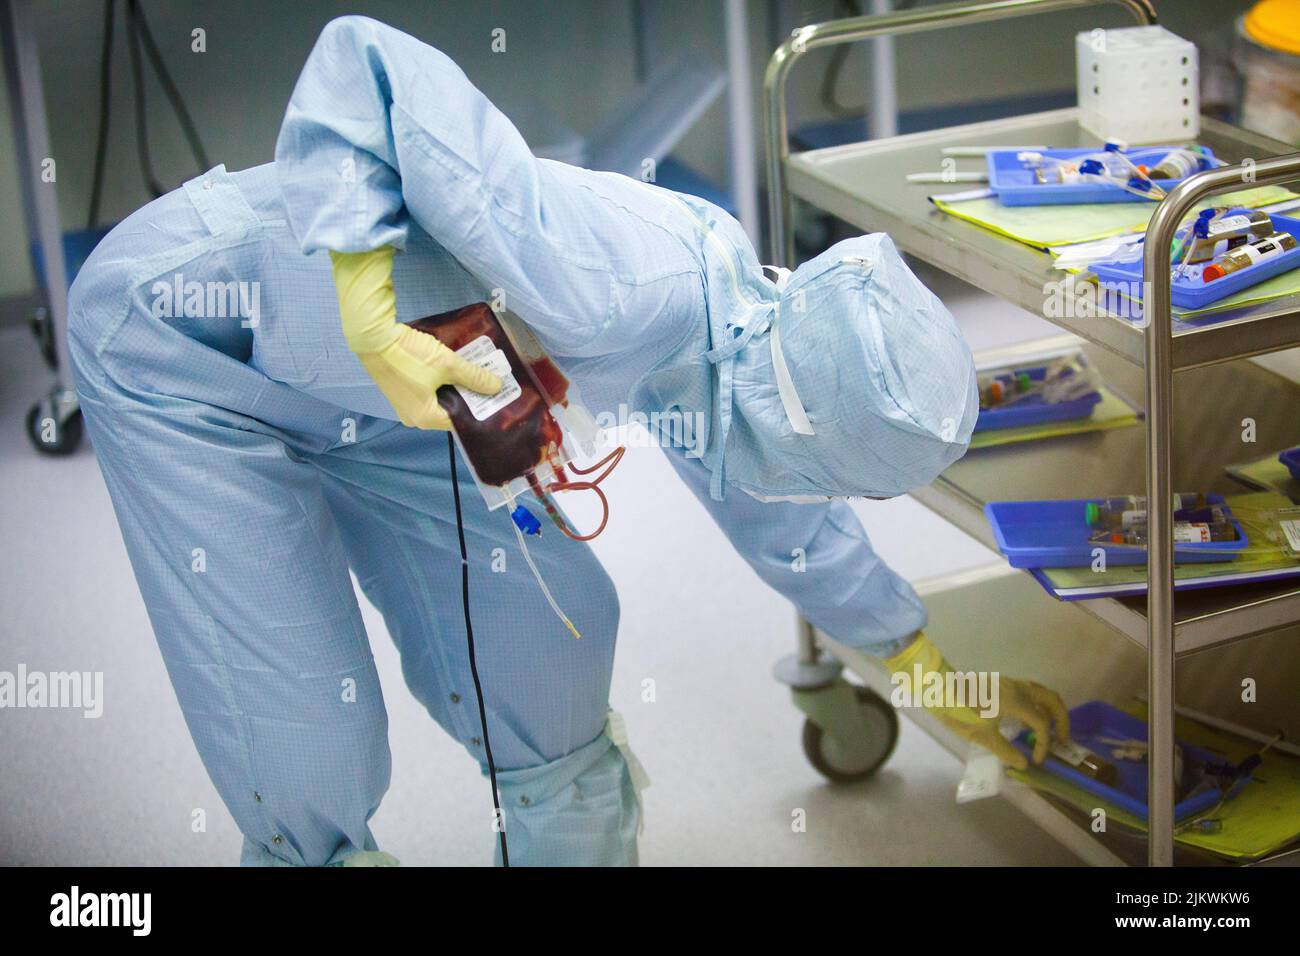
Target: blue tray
pixel 1054 534
pixel 1035 410
pixel 1098 719
pixel 1290 458
pixel 1014 183
pixel 1189 291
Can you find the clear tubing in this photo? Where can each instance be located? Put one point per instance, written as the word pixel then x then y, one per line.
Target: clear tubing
pixel 1187 254
pixel 546 592
pixel 1154 193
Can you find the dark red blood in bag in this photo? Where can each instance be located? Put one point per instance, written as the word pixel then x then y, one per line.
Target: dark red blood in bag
pixel 523 435
pixel 552 381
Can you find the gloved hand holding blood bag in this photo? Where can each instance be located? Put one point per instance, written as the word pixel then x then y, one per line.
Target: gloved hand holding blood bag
pixel 525 436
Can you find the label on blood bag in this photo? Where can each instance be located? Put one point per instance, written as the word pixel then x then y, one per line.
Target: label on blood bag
pixel 484 353
pixel 1191 532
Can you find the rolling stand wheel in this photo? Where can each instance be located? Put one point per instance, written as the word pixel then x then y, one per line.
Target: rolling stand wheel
pixel 850 731
pixel 54 423
pixel 858 759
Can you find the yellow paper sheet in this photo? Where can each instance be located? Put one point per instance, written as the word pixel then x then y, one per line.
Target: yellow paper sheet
pixel 1044 226
pixel 1111 412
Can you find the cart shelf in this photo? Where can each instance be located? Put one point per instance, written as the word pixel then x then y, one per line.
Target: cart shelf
pixel 865 185
pixel 1208 435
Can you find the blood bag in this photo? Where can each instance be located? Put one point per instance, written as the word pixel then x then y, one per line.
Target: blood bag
pixel 523 438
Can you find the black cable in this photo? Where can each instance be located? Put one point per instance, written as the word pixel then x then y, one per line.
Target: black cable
pixel 469 643
pixel 169 87
pixel 138 35
pixel 105 98
pixel 141 124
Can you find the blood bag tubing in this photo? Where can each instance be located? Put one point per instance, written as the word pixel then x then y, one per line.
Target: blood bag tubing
pixel 537 575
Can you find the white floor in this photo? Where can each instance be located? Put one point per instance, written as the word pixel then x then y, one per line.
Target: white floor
pixel 721 742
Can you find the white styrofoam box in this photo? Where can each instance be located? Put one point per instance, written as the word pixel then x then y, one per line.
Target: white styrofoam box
pixel 1138 84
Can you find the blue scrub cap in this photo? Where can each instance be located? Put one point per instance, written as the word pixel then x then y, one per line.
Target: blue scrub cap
pixel 845 377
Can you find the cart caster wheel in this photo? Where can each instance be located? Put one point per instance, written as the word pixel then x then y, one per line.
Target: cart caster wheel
pixel 849 762
pixel 53 434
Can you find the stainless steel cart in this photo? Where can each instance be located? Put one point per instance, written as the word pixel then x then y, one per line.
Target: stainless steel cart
pixel 1217 387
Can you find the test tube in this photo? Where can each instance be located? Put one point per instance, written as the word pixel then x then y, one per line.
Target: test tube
pixel 1248 255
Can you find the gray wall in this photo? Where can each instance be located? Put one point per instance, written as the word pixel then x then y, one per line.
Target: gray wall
pixel 573 56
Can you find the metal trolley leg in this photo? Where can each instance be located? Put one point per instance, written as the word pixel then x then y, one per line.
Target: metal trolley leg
pixel 1159 346
pixel 54 423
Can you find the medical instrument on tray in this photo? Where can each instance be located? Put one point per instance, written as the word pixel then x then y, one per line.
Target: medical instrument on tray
pixel 996 389
pixel 1110 165
pixel 1125 511
pixel 1063 380
pixel 1185 532
pixel 1081 760
pixel 1249 254
pixel 1215 230
pixel 1123 520
pixel 1229 779
pixel 1138 177
pixel 1200 241
pixel 1180 163
pixel 1050 169
pixel 1135 749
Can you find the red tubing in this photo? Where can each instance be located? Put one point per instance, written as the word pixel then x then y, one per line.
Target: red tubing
pixel 612 459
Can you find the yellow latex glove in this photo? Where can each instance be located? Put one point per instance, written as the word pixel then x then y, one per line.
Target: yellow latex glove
pixel 1032 704
pixel 409 366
